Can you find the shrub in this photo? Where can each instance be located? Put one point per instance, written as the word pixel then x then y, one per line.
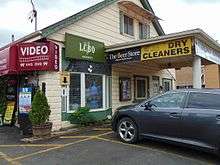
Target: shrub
pixel 40 109
pixel 81 116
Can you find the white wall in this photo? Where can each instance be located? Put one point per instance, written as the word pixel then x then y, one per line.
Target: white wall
pixel 101 26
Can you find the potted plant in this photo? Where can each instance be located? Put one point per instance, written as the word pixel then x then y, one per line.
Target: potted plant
pixel 39 115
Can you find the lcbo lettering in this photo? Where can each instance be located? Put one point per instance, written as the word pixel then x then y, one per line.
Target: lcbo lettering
pixel 34 50
pixel 87 47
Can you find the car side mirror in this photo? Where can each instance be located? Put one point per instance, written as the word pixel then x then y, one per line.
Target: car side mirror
pixel 148 106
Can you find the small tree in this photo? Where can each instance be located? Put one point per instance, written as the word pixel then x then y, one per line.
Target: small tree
pixel 40 109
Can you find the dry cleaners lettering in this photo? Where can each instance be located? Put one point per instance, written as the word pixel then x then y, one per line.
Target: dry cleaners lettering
pixel 34 50
pixel 169 49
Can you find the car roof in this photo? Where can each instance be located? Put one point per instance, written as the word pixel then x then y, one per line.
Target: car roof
pixel 203 90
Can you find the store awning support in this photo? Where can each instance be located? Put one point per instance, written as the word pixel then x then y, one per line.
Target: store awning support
pixel 197 72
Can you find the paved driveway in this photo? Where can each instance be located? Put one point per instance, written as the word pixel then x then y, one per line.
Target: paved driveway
pixel 98 147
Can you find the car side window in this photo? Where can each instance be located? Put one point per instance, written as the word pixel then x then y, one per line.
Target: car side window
pixel 204 101
pixel 170 100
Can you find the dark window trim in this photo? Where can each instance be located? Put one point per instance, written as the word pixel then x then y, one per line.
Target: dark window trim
pixel 182 105
pixel 147 78
pixel 125 15
pixel 188 97
pixel 120 95
pixel 163 79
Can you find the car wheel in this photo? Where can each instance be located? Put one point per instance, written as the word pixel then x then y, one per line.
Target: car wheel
pixel 127 130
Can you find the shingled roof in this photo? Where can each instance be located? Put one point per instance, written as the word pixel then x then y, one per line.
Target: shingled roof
pixel 74 18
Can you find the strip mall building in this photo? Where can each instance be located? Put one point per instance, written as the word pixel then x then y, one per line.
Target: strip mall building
pixel 112 54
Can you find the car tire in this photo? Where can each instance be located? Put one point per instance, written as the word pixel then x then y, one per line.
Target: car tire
pixel 127 130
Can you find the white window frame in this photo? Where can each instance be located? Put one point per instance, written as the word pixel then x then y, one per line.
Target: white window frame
pixel 144 25
pixel 105 100
pixel 68 93
pixel 122 25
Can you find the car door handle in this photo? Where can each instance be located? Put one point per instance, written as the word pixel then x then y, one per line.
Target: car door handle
pixel 217 117
pixel 175 115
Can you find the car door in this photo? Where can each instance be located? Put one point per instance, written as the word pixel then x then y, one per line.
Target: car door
pixel 164 115
pixel 201 119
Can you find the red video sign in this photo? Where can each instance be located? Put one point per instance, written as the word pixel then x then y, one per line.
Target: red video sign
pixel 38 56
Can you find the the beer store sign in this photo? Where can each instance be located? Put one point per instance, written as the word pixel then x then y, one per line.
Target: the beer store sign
pixel 82 48
pixel 125 55
pixel 175 48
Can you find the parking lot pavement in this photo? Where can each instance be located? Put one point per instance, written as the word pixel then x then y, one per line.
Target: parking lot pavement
pixel 99 147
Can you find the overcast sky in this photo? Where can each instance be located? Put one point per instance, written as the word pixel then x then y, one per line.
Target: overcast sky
pixel 176 15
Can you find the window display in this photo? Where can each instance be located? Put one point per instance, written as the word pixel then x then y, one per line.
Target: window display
pixel 94 91
pixel 125 89
pixel 75 91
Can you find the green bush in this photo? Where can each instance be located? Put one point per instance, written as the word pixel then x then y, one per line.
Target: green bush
pixel 40 109
pixel 81 116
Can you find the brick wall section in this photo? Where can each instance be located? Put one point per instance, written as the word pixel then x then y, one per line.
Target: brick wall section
pixel 212 76
pixel 184 76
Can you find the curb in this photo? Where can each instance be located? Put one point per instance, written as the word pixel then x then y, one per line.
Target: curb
pixel 68 131
pixel 52 136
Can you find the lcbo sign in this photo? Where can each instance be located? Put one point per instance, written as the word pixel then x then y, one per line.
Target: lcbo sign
pixel 86 47
pixel 38 56
pixel 80 48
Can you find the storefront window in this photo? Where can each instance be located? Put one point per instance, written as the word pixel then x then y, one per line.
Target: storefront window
pixel 125 89
pixel 141 88
pixel 94 91
pixel 75 91
pixel 167 84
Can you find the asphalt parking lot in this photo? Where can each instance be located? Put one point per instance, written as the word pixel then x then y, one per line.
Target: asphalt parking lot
pixel 97 147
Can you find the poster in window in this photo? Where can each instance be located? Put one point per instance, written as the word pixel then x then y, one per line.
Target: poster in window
pixel 94 91
pixel 75 91
pixel 25 95
pixel 9 112
pixel 125 89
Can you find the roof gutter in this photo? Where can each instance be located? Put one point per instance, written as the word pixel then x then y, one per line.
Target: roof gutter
pixel 198 33
pixel 23 39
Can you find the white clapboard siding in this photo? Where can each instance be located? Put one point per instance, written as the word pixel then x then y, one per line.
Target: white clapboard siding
pixel 53 91
pixel 101 26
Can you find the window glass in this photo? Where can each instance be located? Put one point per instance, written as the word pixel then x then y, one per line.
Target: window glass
pixel 125 89
pixel 144 31
pixel 94 91
pixel 128 25
pixel 170 100
pixel 141 33
pixel 141 88
pixel 75 91
pixel 167 84
pixel 204 101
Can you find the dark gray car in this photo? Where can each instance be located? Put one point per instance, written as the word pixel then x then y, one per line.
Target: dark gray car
pixel 190 117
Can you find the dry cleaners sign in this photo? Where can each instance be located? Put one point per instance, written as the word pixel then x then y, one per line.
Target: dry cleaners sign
pixel 174 48
pixel 77 47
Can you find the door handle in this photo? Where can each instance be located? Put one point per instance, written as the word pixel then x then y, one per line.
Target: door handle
pixel 175 115
pixel 217 117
